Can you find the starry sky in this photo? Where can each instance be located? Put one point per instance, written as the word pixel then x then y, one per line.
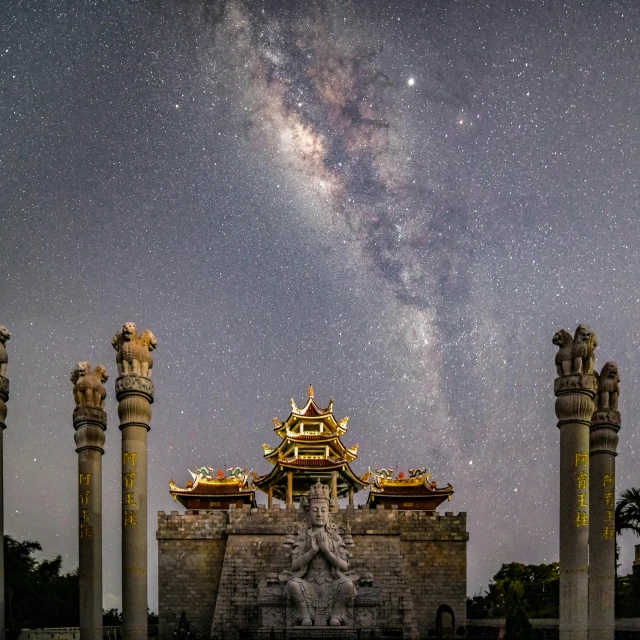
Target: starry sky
pixel 397 202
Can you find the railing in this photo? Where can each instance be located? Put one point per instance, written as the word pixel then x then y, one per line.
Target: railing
pixel 72 633
pixel 338 633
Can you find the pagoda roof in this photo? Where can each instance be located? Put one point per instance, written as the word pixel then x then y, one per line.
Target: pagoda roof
pixel 314 463
pixel 416 486
pixel 241 484
pixel 306 471
pixel 311 416
pixel 209 489
pixel 307 428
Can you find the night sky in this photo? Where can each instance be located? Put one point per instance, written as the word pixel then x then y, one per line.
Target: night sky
pixel 398 203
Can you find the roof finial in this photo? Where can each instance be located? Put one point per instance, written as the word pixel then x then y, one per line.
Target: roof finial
pixel 311 391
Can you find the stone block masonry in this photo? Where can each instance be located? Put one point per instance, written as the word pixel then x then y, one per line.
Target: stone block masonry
pixel 210 565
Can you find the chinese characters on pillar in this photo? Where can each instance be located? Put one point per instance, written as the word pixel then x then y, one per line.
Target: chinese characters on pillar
pixel 609 483
pixel 582 517
pixel 84 495
pixel 129 482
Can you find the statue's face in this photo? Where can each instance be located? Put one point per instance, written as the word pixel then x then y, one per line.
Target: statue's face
pixel 319 513
pixel 128 330
pixel 584 333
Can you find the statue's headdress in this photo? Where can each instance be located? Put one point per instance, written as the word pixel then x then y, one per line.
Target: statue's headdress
pixel 319 491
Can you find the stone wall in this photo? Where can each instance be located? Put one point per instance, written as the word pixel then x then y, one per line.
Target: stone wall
pixel 191 551
pixel 211 565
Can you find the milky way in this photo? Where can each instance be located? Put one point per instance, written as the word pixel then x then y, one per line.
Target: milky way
pixel 398 203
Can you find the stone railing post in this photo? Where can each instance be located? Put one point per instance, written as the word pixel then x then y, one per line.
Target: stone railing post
pixel 575 389
pixel 134 392
pixel 4 397
pixel 90 424
pixel 602 501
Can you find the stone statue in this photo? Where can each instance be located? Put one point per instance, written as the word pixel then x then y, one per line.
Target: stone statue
pixel 271 601
pixel 584 344
pixel 134 351
pixel 320 590
pixel 575 354
pixel 4 358
pixel 367 603
pixel 564 357
pixel 608 387
pixel 88 385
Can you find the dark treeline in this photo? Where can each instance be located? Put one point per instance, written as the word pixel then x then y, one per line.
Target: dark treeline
pixel 37 594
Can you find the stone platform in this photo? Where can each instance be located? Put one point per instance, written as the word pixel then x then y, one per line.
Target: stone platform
pixel 212 565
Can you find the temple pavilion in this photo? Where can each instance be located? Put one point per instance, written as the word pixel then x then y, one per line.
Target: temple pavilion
pixel 310 448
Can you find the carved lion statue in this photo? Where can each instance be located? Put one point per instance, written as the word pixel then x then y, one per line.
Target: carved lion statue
pixel 564 357
pixel 608 387
pixel 584 344
pixel 4 358
pixel 88 385
pixel 134 350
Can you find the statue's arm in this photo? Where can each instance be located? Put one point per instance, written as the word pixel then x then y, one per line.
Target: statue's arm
pixel 303 560
pixel 335 560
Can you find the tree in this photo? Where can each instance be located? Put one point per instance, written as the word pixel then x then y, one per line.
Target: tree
pixel 628 511
pixel 37 594
pixel 111 617
pixel 628 596
pixel 517 625
pixel 540 590
pixel 538 593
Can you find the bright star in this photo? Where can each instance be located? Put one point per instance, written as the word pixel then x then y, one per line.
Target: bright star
pixel 411 82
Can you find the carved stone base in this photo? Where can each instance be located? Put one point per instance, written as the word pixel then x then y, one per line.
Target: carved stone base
pixel 323 633
pixel 89 414
pixel 608 417
pixel 575 382
pixel 321 619
pixel 131 382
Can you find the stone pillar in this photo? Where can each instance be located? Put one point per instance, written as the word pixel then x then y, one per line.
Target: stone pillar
pixel 334 487
pixel 351 496
pixel 134 392
pixel 289 489
pixel 270 498
pixel 575 388
pixel 4 397
pixel 90 423
pixel 602 503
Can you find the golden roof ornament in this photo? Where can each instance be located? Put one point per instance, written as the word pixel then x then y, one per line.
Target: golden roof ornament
pixel 311 391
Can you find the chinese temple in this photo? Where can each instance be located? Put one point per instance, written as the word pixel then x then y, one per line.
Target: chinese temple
pixel 415 492
pixel 310 449
pixel 211 490
pixel 403 564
